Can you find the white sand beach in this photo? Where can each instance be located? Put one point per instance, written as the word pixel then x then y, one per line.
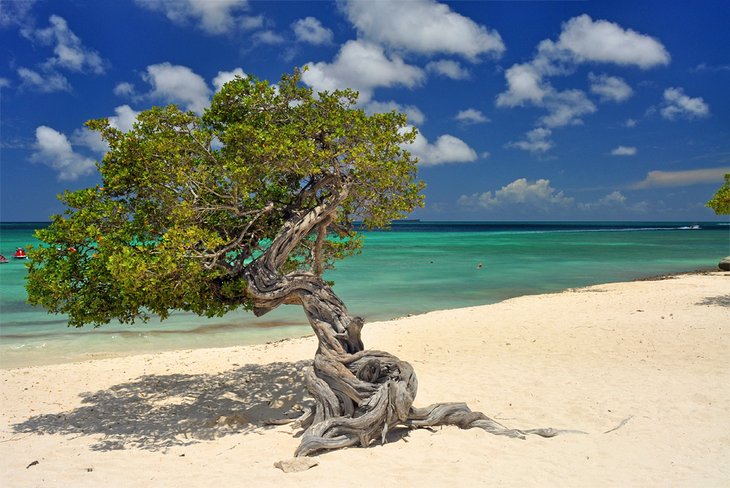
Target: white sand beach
pixel 642 367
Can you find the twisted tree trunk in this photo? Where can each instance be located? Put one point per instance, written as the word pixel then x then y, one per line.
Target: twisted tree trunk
pixel 360 395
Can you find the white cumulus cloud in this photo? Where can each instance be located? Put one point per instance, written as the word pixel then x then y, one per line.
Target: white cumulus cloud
pixel 471 116
pixel 677 104
pixel 212 16
pixel 178 84
pixel 446 149
pixel 613 202
pixel 610 88
pixel 311 30
pixel 414 114
pixel 450 69
pixel 268 37
pixel 422 26
pixel 124 120
pixel 623 151
pixel 48 82
pixel 90 139
pixel 566 108
pixel 538 195
pixel 524 85
pixel 69 51
pixel 362 66
pixel 224 77
pixel 582 40
pixel 613 198
pixel 53 149
pixel 124 89
pixel 535 141
pixel 607 42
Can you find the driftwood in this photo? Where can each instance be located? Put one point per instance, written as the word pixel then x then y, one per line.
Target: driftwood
pixel 360 395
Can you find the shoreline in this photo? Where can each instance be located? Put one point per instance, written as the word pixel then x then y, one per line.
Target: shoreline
pixel 31 356
pixel 669 276
pixel 642 366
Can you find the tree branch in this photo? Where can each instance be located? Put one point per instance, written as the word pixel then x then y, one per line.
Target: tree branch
pixel 319 244
pixel 299 226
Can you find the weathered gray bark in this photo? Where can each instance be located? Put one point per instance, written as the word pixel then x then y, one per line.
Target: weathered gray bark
pixel 360 395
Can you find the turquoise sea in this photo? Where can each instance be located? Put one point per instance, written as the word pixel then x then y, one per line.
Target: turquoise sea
pixel 413 268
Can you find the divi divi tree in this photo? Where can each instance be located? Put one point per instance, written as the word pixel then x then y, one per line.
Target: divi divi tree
pixel 245 207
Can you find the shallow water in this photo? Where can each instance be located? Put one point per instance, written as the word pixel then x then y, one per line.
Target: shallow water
pixel 414 268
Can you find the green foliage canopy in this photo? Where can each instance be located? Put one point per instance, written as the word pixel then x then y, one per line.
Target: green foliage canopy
pixel 720 201
pixel 187 202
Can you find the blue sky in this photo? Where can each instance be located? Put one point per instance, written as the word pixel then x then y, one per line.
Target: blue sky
pixel 527 110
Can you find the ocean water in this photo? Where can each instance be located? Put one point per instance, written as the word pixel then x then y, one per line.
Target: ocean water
pixel 413 268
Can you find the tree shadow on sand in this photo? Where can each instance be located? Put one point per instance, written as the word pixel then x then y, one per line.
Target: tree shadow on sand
pixel 161 411
pixel 719 301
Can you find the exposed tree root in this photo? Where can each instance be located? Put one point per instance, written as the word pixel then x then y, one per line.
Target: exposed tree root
pixel 390 405
pixel 359 395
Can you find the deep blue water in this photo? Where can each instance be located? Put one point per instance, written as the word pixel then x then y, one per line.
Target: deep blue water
pixel 413 268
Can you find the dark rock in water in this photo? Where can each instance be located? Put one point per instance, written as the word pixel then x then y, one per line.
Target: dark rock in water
pixel 724 264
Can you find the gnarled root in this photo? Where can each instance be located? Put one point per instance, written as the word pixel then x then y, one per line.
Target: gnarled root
pixel 374 393
pixel 460 415
pixel 374 396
